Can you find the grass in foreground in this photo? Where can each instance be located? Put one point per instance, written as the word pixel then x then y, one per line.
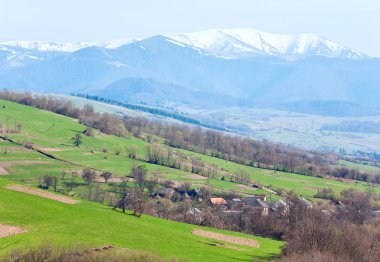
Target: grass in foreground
pixel 96 225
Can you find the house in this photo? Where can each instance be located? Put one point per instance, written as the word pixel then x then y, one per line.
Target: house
pixel 236 204
pixel 168 193
pixel 218 201
pixel 193 194
pixel 279 205
pixel 261 196
pixel 175 195
pixel 196 214
pixel 347 202
pixel 340 203
pixel 184 197
pixel 336 203
pixel 256 203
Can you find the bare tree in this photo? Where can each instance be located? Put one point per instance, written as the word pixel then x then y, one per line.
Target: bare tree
pixel 139 173
pixel 88 175
pixel 55 183
pixel 106 176
pixel 118 150
pixel 137 200
pixel 48 181
pixel 132 151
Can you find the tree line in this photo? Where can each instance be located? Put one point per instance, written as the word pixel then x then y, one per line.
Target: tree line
pixel 154 111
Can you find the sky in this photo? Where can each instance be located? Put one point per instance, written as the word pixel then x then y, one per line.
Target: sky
pixel 352 23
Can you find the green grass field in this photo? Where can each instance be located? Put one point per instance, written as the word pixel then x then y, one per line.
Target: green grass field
pixel 306 185
pixel 362 167
pixel 96 225
pixel 54 132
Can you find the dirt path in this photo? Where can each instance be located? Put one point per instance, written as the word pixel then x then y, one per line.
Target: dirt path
pixel 4 165
pixel 7 231
pixel 227 238
pixel 42 193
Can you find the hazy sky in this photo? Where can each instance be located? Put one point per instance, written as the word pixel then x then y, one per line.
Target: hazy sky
pixel 353 23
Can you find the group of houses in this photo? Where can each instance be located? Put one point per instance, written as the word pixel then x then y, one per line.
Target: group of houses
pixel 229 206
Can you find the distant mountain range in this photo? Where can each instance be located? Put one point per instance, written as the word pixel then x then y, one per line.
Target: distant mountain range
pixel 208 69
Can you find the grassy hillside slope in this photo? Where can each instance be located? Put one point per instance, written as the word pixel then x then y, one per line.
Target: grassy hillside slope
pixel 53 134
pixel 96 225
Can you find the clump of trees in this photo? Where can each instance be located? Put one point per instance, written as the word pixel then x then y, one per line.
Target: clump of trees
pixel 49 181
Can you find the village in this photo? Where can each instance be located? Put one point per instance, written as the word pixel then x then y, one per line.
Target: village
pixel 229 204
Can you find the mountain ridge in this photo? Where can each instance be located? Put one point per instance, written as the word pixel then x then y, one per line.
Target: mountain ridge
pixel 162 71
pixel 224 43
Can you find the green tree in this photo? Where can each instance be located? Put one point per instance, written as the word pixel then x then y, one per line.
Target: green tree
pixel 77 140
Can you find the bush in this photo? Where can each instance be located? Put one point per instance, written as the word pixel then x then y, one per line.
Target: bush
pixel 326 193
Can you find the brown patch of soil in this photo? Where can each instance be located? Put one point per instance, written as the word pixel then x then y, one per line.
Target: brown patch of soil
pixel 7 231
pixel 49 149
pixel 247 187
pixel 195 176
pixel 3 171
pixel 345 180
pixel 227 238
pixel 42 193
pixel 7 164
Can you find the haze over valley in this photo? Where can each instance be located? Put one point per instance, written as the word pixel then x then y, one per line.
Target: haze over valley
pixel 229 71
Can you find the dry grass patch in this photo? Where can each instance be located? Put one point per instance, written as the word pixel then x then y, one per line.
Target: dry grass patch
pixel 42 193
pixel 247 187
pixel 50 149
pixel 3 171
pixel 7 231
pixel 195 176
pixel 227 238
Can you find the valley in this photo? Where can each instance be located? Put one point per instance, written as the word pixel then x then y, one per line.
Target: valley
pixel 39 145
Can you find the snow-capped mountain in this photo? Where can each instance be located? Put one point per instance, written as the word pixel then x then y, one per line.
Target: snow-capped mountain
pixel 48 46
pixel 215 68
pixel 224 43
pixel 246 42
pixel 66 47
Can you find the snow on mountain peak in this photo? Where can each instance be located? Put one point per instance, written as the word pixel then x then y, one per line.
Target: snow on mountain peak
pixel 48 46
pixel 66 47
pixel 246 42
pixel 225 43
